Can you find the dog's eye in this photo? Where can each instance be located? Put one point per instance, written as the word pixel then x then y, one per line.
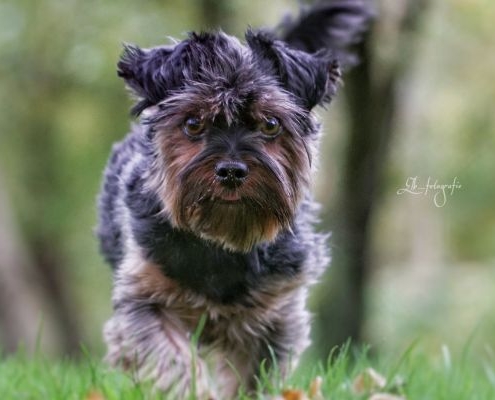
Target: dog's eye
pixel 270 126
pixel 193 126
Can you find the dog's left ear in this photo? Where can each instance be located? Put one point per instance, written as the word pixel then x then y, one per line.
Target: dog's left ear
pixel 143 70
pixel 312 78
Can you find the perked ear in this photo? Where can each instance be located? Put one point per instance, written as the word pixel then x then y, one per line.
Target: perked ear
pixel 144 73
pixel 312 78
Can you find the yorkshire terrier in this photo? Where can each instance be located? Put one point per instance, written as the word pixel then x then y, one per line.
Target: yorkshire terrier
pixel 205 213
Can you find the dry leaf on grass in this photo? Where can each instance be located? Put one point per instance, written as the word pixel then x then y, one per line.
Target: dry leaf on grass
pixel 314 392
pixel 291 394
pixel 94 395
pixel 315 389
pixel 386 396
pixel 367 382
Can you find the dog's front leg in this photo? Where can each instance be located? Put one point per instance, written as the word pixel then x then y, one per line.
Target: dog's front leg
pixel 152 344
pixel 147 338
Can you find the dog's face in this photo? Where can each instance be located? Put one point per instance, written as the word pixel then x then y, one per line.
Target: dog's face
pixel 232 130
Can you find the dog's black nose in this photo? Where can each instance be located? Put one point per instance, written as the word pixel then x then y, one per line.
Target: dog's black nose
pixel 231 173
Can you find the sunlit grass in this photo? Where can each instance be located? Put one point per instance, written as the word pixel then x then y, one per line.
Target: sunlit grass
pixel 410 375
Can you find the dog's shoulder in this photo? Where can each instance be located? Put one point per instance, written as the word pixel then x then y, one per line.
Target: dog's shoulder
pixel 126 158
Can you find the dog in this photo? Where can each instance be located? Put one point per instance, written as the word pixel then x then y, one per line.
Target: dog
pixel 205 212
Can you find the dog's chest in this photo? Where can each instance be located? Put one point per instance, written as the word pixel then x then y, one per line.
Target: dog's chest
pixel 222 276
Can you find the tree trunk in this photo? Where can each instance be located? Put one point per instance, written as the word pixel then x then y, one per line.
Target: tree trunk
pixel 26 317
pixel 371 103
pixel 217 14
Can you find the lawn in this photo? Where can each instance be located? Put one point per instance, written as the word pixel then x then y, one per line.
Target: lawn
pixel 352 374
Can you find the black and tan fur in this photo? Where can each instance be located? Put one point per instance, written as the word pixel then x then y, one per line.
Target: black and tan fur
pixel 218 222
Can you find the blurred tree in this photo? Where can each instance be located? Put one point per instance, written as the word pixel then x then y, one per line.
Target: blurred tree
pixel 217 14
pixel 19 298
pixel 371 93
pixel 37 78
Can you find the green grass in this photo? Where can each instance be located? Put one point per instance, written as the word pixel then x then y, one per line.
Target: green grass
pixel 412 375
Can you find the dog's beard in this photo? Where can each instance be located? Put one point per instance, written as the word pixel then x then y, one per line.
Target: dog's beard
pixel 239 218
pixel 237 226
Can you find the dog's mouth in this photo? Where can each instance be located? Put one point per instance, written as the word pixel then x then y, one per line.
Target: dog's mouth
pixel 222 197
pixel 230 197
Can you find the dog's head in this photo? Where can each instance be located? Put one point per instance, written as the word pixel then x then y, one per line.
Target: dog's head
pixel 232 128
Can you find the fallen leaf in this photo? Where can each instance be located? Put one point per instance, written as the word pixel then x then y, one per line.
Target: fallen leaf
pixel 94 395
pixel 386 396
pixel 292 394
pixel 368 381
pixel 315 389
pixel 314 392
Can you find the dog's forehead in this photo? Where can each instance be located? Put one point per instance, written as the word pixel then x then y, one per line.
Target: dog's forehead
pixel 230 100
pixel 220 76
pixel 222 64
pixel 223 76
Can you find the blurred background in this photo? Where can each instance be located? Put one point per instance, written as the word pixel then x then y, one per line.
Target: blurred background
pixel 406 265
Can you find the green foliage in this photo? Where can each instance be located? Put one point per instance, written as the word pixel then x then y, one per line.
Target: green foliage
pixel 412 375
pixel 63 106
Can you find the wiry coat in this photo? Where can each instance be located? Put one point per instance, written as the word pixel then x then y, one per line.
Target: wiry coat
pixel 184 244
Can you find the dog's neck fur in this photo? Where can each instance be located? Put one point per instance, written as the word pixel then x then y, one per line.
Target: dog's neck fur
pixel 188 259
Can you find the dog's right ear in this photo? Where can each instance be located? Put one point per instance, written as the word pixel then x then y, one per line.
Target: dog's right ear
pixel 311 78
pixel 144 72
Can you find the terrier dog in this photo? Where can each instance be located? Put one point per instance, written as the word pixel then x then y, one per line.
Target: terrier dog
pixel 205 213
